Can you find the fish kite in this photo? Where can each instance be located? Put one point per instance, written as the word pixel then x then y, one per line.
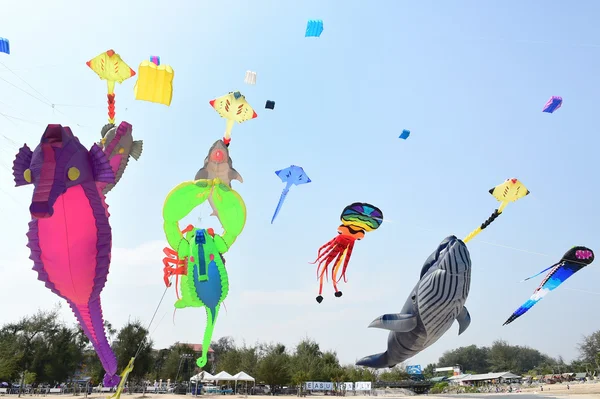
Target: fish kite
pixel 218 165
pixel 118 145
pixel 234 108
pixel 357 219
pixel 197 254
pixel 314 28
pixel 4 45
pixel 69 232
pixel 573 261
pixel 250 78
pixel 294 175
pixel 439 296
pixel 110 67
pixel 553 104
pixel 404 135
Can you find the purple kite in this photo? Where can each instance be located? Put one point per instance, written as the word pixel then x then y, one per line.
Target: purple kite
pixel 553 104
pixel 69 233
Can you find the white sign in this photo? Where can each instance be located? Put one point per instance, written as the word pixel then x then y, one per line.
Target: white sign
pixel 319 386
pixel 345 386
pixel 362 386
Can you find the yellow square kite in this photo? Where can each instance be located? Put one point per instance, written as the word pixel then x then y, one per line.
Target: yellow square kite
pixel 155 83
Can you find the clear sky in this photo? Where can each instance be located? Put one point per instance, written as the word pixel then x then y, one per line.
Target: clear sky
pixel 468 79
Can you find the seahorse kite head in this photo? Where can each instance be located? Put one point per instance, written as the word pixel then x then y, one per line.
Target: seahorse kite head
pixel 69 234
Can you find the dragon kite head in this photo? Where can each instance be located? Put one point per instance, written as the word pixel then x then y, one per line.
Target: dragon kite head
pixel 57 164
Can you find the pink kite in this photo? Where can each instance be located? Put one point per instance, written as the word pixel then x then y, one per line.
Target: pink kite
pixel 69 235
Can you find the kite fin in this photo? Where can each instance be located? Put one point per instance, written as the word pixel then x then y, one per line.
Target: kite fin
pixel 398 322
pixel 464 320
pixel 535 275
pixel 377 361
pixel 136 149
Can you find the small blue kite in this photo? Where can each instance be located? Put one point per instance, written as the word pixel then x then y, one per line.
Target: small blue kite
pixel 4 45
pixel 314 28
pixel 290 176
pixel 404 135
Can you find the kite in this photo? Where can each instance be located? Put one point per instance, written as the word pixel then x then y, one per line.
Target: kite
pixel 198 256
pixel 439 296
pixel 509 191
pixel 110 67
pixel 4 45
pixel 69 234
pixel 404 135
pixel 553 104
pixel 314 28
pixel 290 176
pixel 234 108
pixel 573 261
pixel 218 165
pixel 118 145
pixel 357 218
pixel 270 104
pixel 155 82
pixel 250 78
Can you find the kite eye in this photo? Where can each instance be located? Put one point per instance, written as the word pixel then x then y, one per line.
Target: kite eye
pixel 73 173
pixel 27 175
pixel 121 150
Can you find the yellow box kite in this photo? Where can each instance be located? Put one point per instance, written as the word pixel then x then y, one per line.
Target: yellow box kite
pixel 155 83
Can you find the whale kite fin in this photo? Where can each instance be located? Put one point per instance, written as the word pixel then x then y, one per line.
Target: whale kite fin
pixel 398 322
pixel 464 320
pixel 378 361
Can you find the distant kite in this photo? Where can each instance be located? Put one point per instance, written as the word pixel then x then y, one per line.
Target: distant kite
pixel 404 135
pixel 293 175
pixel 553 104
pixel 250 78
pixel 314 28
pixel 270 104
pixel 155 82
pixel 4 45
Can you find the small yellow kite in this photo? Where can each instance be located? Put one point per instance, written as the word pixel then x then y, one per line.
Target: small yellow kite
pixel 155 82
pixel 110 67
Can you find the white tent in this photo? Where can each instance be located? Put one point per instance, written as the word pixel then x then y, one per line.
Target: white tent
pixel 241 376
pixel 223 376
pixel 202 376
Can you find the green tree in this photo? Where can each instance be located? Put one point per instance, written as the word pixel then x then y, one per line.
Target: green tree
pixel 429 370
pixel 273 368
pixel 134 339
pixel 176 360
pixel 472 358
pixel 589 348
pixel 395 374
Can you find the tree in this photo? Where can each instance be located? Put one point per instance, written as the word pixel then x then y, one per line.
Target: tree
pixel 133 341
pixel 172 365
pixel 429 371
pixel 470 358
pixel 273 368
pixel 395 374
pixel 589 348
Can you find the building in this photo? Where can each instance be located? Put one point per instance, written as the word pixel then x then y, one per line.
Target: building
pixel 197 348
pixel 490 378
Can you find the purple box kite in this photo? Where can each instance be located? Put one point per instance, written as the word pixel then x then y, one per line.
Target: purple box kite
pixel 553 104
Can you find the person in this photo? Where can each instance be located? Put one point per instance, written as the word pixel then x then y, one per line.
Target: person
pixel 568 387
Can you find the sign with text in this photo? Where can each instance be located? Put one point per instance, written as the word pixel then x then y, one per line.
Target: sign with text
pixel 362 386
pixel 345 386
pixel 319 386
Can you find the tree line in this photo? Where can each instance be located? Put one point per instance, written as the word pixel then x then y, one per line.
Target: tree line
pixel 39 349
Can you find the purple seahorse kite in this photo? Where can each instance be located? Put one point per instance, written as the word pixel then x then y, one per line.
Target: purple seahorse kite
pixel 69 235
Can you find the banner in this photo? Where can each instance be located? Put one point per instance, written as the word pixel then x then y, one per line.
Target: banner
pixel 362 386
pixel 412 370
pixel 319 386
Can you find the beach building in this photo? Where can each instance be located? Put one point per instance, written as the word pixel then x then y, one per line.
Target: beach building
pixel 490 378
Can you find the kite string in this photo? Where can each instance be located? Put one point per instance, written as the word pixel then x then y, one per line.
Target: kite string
pixel 151 320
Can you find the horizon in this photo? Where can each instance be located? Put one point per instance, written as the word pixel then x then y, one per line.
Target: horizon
pixel 469 80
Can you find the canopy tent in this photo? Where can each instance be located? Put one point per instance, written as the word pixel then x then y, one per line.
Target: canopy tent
pixel 203 376
pixel 223 376
pixel 241 376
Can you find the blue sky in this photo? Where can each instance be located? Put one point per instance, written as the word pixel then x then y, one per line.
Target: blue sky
pixel 468 79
